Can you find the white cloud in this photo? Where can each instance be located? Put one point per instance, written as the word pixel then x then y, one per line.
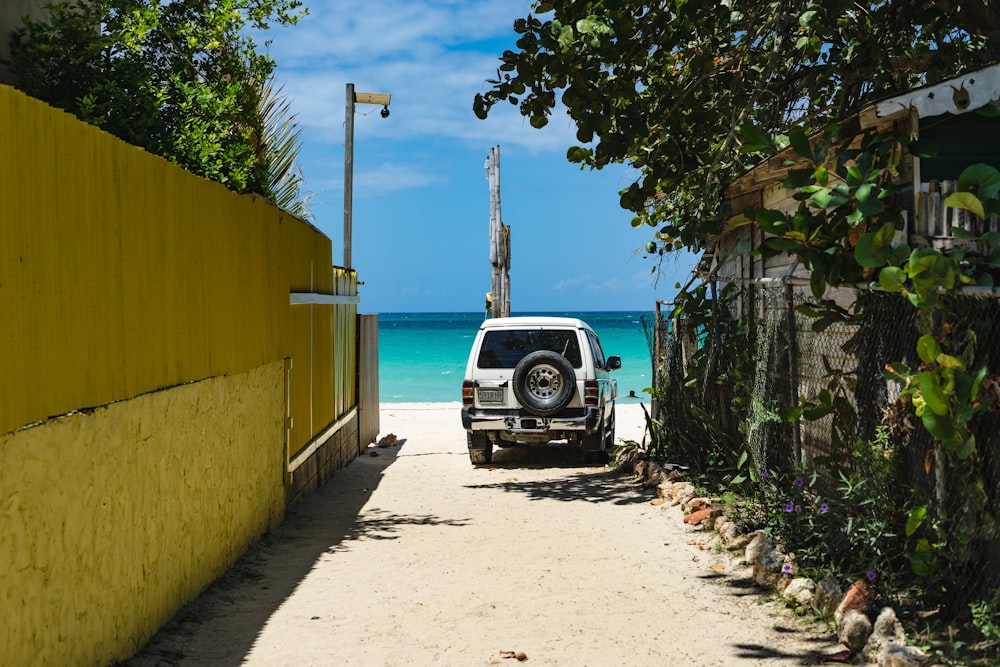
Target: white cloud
pixel 567 284
pixel 431 56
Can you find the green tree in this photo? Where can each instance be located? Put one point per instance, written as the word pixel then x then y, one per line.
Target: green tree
pixel 667 87
pixel 181 78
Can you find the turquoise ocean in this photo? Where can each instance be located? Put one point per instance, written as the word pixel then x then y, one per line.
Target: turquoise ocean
pixel 422 356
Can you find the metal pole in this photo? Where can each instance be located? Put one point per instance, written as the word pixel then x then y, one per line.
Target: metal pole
pixel 348 171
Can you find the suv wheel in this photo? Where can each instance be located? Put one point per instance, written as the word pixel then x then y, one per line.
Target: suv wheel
pixel 609 438
pixel 480 448
pixel 544 382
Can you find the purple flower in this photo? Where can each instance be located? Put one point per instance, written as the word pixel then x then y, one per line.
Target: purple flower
pixel 787 569
pixel 798 508
pixel 823 508
pixel 799 481
pixel 763 473
pixel 789 508
pixel 871 575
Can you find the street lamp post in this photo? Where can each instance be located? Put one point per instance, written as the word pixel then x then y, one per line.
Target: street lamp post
pixel 353 98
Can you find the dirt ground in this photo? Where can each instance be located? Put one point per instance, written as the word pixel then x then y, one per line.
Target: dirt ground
pixel 416 557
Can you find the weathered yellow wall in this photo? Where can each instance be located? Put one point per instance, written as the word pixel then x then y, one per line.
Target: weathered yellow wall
pixel 121 274
pixel 123 515
pixel 162 300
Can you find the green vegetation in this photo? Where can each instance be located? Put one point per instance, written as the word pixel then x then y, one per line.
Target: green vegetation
pixel 183 79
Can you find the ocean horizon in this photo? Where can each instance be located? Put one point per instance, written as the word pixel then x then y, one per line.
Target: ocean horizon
pixel 422 356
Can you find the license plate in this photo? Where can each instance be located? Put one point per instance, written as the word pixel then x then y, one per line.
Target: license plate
pixel 491 395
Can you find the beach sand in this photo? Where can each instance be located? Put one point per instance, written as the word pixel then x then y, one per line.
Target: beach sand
pixel 412 556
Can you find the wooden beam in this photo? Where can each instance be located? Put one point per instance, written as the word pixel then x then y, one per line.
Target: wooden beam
pixel 373 98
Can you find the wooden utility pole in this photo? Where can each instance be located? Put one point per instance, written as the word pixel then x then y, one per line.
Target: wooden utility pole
pixel 499 240
pixel 351 99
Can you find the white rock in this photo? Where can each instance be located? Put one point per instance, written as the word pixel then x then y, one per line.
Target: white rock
pixel 895 655
pixel 759 543
pixel 828 595
pixel 800 590
pixel 854 630
pixel 887 629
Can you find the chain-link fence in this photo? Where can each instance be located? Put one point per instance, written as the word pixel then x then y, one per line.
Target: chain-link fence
pixel 730 369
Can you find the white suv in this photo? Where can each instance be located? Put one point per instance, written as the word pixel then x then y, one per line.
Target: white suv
pixel 537 379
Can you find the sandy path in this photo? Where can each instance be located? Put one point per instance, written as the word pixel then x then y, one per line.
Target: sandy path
pixel 415 557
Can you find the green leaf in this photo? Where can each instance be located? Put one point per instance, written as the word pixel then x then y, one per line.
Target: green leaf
pixel 592 25
pixel 871 207
pixel 873 248
pixel 915 520
pixel 800 142
pixel 939 426
pixel 966 447
pixel 934 394
pixel 863 192
pixel 817 283
pixel 928 349
pixel 948 361
pixel 798 178
pixel 538 122
pixel 566 37
pixel 755 139
pixel 966 201
pixel 892 278
pixel 982 179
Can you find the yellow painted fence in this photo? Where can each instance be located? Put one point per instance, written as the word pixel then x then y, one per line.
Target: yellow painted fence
pixel 166 349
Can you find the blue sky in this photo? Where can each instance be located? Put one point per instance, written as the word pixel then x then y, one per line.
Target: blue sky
pixel 421 198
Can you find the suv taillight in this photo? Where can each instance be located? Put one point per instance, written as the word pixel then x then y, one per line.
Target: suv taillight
pixel 467 393
pixel 590 392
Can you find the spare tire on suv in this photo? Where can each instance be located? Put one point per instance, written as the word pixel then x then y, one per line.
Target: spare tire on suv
pixel 543 382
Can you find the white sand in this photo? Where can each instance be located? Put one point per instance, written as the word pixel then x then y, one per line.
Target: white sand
pixel 416 557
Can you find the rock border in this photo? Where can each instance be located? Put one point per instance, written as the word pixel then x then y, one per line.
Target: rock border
pixel 881 641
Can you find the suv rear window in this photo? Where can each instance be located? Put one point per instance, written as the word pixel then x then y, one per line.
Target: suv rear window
pixel 504 349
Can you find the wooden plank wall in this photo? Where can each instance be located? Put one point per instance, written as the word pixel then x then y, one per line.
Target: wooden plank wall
pixel 368 382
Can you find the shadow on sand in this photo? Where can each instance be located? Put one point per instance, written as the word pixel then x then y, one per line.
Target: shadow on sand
pixel 220 627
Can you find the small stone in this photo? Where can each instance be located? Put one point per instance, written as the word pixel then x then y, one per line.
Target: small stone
pixel 759 543
pixel 726 529
pixel 694 518
pixel 800 591
pixel 740 542
pixel 895 655
pixel 857 597
pixel 663 489
pixel 698 504
pixel 652 475
pixel 714 515
pixel 853 630
pixel 767 568
pixel 681 492
pixel 887 629
pixel 828 595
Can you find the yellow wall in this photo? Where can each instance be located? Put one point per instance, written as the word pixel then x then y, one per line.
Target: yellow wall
pixel 162 300
pixel 108 531
pixel 121 274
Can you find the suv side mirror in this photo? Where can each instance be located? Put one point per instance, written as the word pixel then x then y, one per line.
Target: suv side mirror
pixel 614 363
